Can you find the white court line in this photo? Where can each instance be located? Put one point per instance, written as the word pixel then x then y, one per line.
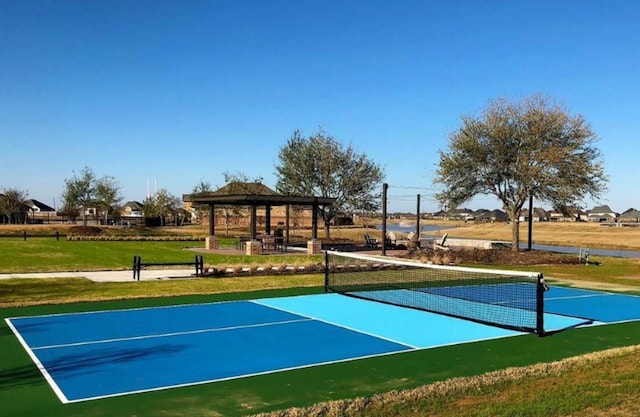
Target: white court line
pixel 431 346
pixel 152 336
pixel 336 324
pixel 576 297
pixel 229 378
pixel 125 309
pixel 43 370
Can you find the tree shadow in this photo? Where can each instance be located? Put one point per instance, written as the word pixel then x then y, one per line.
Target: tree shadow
pixel 91 361
pixel 20 376
pixel 71 365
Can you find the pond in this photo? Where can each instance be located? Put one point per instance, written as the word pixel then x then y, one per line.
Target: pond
pixel 427 228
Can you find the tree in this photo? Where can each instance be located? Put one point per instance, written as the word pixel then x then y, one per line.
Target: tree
pixel 201 210
pixel 162 206
pixel 319 165
pixel 107 195
pixel 84 191
pixel 12 205
pixel 514 151
pixel 235 182
pixel 80 192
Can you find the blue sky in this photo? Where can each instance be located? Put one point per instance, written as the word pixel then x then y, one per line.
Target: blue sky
pixel 177 92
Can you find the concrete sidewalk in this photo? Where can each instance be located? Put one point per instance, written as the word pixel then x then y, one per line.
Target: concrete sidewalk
pixel 110 276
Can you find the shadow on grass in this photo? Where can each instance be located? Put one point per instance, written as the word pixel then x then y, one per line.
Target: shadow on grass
pixel 20 376
pixel 5 331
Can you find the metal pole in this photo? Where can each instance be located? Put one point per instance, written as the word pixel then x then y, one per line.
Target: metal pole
pixel 530 221
pixel 385 186
pixel 418 217
pixel 541 287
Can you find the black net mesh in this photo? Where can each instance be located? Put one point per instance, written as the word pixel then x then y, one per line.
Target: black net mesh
pixel 509 299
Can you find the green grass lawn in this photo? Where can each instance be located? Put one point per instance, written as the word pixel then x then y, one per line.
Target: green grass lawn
pixel 48 255
pixel 24 392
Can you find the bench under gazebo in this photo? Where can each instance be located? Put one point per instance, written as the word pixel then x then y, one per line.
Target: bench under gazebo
pixel 253 195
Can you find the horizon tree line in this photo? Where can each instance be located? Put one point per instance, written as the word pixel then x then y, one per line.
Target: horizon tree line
pixel 514 150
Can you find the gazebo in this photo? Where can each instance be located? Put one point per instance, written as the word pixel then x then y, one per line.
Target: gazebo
pixel 254 195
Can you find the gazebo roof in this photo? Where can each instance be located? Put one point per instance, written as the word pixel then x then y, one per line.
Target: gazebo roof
pixel 253 193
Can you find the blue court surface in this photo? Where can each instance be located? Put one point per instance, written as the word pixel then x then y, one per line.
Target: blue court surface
pixel 95 355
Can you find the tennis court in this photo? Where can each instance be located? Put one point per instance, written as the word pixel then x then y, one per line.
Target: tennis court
pixel 86 356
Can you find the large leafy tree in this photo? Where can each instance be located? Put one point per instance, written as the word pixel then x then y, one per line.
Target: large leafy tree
pixel 107 195
pixel 517 150
pixel 319 165
pixel 163 206
pixel 12 205
pixel 84 191
pixel 80 192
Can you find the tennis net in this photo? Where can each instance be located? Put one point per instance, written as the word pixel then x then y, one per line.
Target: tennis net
pixel 508 299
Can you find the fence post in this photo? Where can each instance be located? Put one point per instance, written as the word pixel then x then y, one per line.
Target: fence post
pixel 136 268
pixel 199 266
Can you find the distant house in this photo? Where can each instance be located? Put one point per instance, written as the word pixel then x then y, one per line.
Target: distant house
pixel 569 214
pixel 485 215
pixel 630 216
pixel 497 216
pixel 461 214
pixel 39 212
pixel 36 206
pixel 133 209
pixel 132 213
pixel 538 215
pixel 481 215
pixel 602 214
pixel 440 214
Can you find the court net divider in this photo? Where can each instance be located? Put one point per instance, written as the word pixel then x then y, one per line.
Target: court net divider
pixel 508 299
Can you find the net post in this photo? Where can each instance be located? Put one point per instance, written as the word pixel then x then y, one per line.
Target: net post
pixel 326 271
pixel 540 290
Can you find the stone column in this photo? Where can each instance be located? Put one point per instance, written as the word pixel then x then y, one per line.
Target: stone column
pixel 314 246
pixel 254 247
pixel 211 242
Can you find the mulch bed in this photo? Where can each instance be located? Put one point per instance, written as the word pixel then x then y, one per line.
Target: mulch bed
pixel 494 257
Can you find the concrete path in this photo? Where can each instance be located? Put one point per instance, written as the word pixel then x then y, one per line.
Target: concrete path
pixel 109 276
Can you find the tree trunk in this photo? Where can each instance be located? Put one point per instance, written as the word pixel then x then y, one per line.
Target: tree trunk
pixel 327 233
pixel 515 235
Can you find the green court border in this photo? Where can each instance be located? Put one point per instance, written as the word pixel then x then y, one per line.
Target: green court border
pixel 24 392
